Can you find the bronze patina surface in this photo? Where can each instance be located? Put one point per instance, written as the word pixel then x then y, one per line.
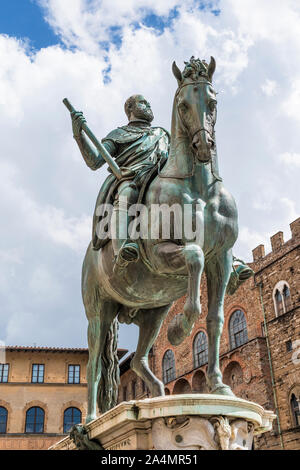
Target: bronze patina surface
pixel 136 281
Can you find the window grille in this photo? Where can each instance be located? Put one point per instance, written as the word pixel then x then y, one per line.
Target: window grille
pixel 168 367
pixel 200 349
pixel 238 329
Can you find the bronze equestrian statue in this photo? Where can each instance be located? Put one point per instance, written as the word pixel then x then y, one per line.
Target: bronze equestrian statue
pixel 136 281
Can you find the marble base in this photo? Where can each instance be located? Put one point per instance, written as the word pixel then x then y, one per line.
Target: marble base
pixel 178 422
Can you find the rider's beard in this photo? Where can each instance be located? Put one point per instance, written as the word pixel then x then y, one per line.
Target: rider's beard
pixel 145 114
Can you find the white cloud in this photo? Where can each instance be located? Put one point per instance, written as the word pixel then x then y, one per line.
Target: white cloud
pixel 43 284
pixel 289 208
pixel 87 23
pixel 271 20
pixel 45 221
pixel 290 106
pixel 269 87
pixel 291 160
pixel 248 240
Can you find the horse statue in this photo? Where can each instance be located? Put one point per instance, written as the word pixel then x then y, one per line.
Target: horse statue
pixel 168 268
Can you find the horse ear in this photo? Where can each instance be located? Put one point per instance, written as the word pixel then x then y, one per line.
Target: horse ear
pixel 211 68
pixel 176 72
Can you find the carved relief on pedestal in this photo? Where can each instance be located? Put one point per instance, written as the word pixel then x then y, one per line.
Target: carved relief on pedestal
pixel 183 433
pixel 195 433
pixel 79 436
pixel 234 434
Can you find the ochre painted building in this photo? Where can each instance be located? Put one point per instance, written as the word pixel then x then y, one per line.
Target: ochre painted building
pixel 260 345
pixel 43 391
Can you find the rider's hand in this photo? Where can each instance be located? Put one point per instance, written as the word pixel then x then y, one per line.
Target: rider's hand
pixel 127 172
pixel 77 120
pixel 163 155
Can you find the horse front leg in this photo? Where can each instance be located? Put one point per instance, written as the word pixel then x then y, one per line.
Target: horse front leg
pixel 217 271
pixel 182 324
pixel 149 322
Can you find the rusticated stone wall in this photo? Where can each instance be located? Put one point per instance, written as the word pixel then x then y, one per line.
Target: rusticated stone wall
pixel 247 368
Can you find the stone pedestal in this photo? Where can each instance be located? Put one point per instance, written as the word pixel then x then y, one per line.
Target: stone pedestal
pixel 178 422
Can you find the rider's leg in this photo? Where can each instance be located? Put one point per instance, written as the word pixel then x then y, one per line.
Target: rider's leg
pixel 125 250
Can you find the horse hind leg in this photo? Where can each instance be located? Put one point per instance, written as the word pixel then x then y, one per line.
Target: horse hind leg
pixel 149 322
pixel 102 368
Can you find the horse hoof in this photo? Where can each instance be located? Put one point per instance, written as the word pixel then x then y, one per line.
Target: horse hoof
pixel 90 418
pixel 158 390
pixel 178 329
pixel 191 310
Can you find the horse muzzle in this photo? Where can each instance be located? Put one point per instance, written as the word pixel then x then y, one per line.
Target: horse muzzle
pixel 202 146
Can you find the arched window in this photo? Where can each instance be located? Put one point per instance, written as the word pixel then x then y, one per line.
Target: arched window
pixel 71 416
pixel 233 374
pixel 295 410
pixel 181 386
pixel 3 420
pixel 168 367
pixel 287 298
pixel 279 303
pixel 200 349
pixel 238 329
pixel 282 298
pixel 35 417
pixel 199 382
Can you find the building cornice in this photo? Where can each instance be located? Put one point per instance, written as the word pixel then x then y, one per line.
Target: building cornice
pixel 45 349
pixel 44 384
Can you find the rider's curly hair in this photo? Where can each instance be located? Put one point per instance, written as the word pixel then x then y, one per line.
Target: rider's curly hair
pixel 129 103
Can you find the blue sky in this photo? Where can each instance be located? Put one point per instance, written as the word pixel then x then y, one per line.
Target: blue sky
pixel 83 50
pixel 24 19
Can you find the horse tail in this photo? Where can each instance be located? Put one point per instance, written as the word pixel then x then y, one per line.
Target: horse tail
pixel 107 394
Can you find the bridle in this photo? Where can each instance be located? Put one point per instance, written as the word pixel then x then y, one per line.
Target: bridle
pixel 212 163
pixel 191 136
pixel 213 169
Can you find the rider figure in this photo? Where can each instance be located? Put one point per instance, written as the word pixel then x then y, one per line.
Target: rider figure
pixel 137 148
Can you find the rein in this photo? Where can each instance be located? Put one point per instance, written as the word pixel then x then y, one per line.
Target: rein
pixel 201 128
pixel 212 164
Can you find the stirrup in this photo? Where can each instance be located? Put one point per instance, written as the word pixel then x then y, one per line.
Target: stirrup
pixel 238 276
pixel 129 252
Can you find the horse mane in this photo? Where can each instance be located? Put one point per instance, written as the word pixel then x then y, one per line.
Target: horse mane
pixel 195 69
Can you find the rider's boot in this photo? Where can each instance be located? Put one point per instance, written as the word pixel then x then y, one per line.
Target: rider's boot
pixel 126 251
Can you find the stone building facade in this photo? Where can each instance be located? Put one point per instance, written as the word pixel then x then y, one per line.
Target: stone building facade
pixel 260 344
pixel 43 391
